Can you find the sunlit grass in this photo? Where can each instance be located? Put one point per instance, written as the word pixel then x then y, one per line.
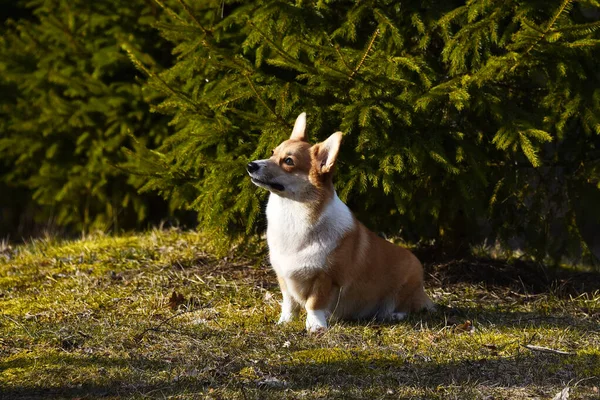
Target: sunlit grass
pixel 92 318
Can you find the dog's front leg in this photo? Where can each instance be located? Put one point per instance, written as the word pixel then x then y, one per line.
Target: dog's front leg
pixel 318 302
pixel 289 307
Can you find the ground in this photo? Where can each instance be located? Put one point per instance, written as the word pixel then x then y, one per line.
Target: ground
pixel 156 315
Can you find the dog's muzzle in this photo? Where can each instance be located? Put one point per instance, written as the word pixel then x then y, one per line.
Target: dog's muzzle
pixel 252 167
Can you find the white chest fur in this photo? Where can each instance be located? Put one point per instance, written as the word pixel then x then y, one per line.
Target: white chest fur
pixel 298 244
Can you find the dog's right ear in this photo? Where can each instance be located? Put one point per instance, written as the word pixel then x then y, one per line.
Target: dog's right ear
pixel 299 132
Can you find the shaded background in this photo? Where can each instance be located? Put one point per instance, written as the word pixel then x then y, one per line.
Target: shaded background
pixel 465 123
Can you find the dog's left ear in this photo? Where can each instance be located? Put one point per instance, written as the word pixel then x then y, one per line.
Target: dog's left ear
pixel 327 152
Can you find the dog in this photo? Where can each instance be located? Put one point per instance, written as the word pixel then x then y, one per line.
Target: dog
pixel 326 261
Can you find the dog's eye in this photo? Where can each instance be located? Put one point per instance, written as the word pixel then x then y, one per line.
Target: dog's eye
pixel 272 152
pixel 289 161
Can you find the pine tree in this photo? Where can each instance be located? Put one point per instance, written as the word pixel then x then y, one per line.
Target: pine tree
pixel 70 99
pixel 463 121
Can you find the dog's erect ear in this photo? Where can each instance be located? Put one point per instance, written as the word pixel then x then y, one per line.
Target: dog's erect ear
pixel 327 152
pixel 299 128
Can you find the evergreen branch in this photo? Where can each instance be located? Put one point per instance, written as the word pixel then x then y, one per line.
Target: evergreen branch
pixel 223 103
pixel 337 50
pixel 395 32
pixel 187 10
pixel 588 27
pixel 58 24
pixel 584 43
pixel 208 36
pixel 38 44
pixel 339 53
pixel 169 11
pixel 155 76
pixel 561 9
pixel 283 52
pixel 264 103
pixel 364 57
pixel 531 25
pixel 323 50
pixel 494 197
pixel 284 94
pixel 129 171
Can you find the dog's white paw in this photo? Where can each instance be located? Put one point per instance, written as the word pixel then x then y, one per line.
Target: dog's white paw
pixel 316 320
pixel 284 318
pixel 398 316
pixel 289 310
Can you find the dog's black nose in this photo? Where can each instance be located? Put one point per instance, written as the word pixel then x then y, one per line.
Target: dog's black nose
pixel 252 167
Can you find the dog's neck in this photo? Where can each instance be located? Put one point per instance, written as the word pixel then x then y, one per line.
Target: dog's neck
pixel 308 206
pixel 298 236
pixel 297 215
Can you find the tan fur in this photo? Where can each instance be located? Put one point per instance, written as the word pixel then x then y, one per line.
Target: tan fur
pixel 362 273
pixel 369 270
pixel 364 276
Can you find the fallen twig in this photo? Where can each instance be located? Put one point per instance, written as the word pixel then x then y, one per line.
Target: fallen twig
pixel 534 318
pixel 547 350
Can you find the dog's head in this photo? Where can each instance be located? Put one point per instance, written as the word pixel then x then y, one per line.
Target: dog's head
pixel 297 169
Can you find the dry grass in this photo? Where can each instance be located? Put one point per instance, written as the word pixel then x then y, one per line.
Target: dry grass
pixel 93 318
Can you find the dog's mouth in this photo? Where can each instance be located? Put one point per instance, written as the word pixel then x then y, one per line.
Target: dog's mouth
pixel 277 186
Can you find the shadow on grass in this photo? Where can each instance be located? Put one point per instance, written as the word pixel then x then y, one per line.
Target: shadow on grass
pixel 335 369
pixel 514 319
pixel 100 381
pixel 521 276
pixel 520 372
pixel 451 317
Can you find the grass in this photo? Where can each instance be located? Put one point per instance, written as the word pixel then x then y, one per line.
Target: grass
pixel 156 316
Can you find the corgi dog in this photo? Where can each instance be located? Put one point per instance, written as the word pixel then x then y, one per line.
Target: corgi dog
pixel 326 261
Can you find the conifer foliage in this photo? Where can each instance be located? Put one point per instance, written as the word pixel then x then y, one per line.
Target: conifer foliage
pixel 69 101
pixel 462 121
